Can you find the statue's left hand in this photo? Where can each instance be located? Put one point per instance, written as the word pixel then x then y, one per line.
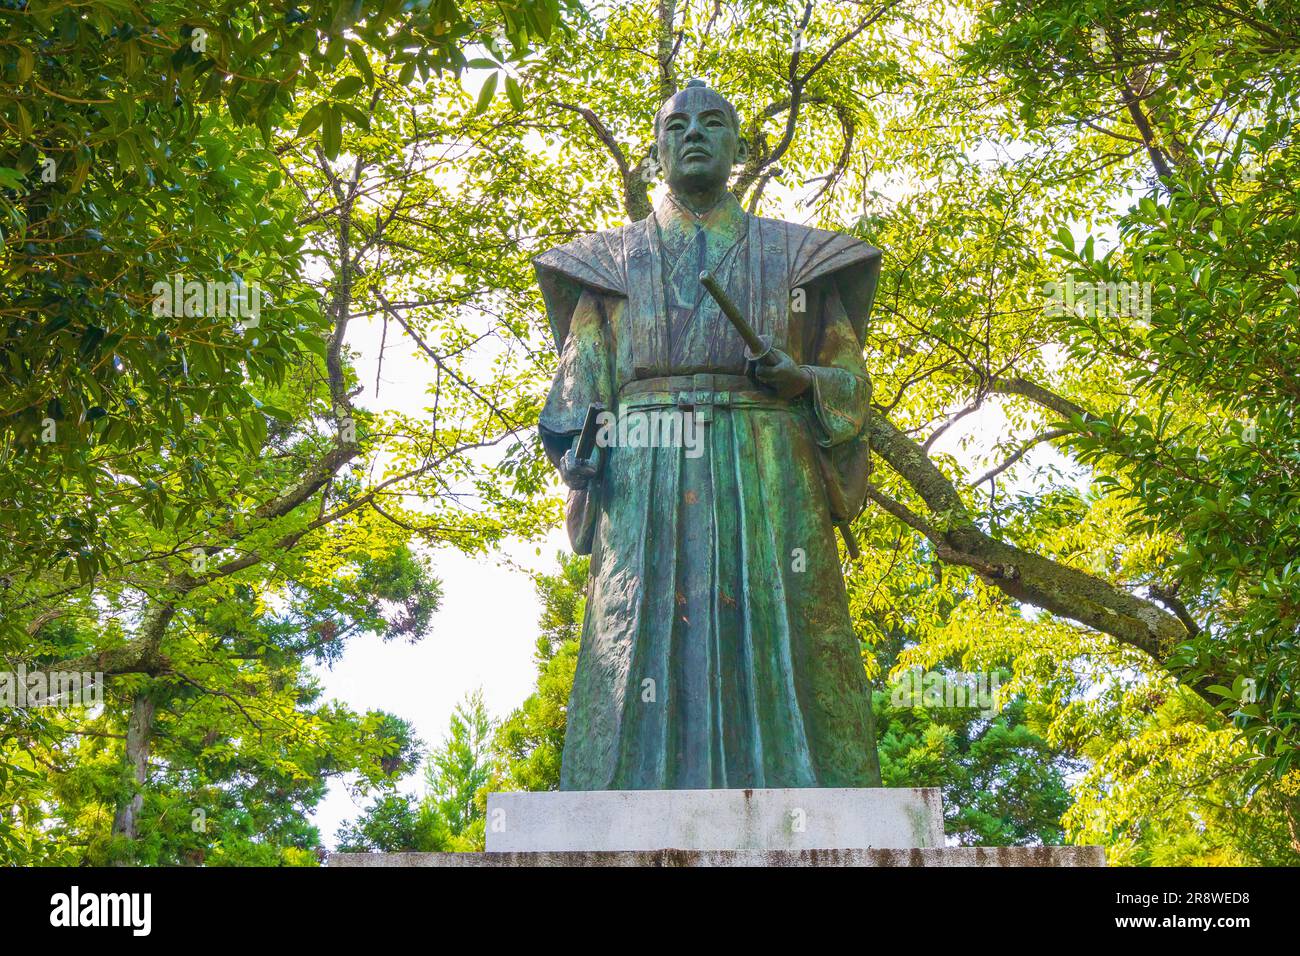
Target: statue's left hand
pixel 784 377
pixel 578 473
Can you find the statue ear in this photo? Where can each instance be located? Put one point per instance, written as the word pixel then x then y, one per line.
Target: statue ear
pixel 742 151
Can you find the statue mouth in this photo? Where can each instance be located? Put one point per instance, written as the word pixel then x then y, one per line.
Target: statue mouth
pixel 696 152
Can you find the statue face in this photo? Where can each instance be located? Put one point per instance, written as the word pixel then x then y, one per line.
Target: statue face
pixel 696 143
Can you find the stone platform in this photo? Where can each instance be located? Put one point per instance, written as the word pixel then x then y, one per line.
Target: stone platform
pixel 698 828
pixel 1033 856
pixel 771 819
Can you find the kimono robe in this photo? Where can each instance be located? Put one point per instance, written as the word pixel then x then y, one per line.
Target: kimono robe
pixel 717 649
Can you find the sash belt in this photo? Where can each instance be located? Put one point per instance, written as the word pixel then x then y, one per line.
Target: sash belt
pixel 698 391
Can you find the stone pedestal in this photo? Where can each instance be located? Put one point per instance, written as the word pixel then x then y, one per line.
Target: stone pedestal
pixel 785 820
pixel 1035 856
pixel 688 828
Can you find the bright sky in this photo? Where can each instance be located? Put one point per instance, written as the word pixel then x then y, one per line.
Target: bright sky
pixel 483 635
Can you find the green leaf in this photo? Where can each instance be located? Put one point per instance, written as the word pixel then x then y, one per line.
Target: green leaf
pixel 26 63
pixel 514 93
pixel 348 86
pixel 357 115
pixel 334 50
pixel 357 53
pixel 486 93
pixel 312 119
pixel 332 134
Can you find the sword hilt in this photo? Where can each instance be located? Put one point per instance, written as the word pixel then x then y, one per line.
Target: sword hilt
pixel 760 349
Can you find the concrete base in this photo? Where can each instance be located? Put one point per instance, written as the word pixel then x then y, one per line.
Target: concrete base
pixel 1036 856
pixel 790 820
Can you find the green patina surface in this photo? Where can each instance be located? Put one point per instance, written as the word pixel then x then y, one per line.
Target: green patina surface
pixel 717 648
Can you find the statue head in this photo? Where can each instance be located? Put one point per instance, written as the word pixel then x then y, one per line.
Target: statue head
pixel 697 140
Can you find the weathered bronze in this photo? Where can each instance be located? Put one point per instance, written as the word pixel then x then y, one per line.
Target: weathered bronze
pixel 717 648
pixel 760 349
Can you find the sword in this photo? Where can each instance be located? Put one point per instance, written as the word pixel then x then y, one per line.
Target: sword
pixel 760 350
pixel 587 440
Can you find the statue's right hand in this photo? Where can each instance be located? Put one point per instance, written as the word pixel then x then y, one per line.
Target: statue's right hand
pixel 577 473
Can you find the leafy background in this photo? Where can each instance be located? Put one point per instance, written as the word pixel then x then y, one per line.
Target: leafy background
pixel 1100 507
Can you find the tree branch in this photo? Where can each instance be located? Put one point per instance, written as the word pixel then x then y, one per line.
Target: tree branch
pixel 1038 395
pixel 1048 435
pixel 1027 577
pixel 636 197
pixel 666 49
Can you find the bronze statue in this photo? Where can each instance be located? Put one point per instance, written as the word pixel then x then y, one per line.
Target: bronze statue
pixel 717 649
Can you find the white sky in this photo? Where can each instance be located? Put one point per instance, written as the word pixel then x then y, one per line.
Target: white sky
pixel 483 635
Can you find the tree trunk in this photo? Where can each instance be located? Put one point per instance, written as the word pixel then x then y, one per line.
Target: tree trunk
pixel 126 821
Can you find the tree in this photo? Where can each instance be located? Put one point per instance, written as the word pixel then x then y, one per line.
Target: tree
pixel 1003 783
pixel 240 743
pixel 1192 430
pixel 1081 544
pixel 458 770
pixel 183 458
pixel 395 823
pixel 136 150
pixel 450 815
pixel 529 744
